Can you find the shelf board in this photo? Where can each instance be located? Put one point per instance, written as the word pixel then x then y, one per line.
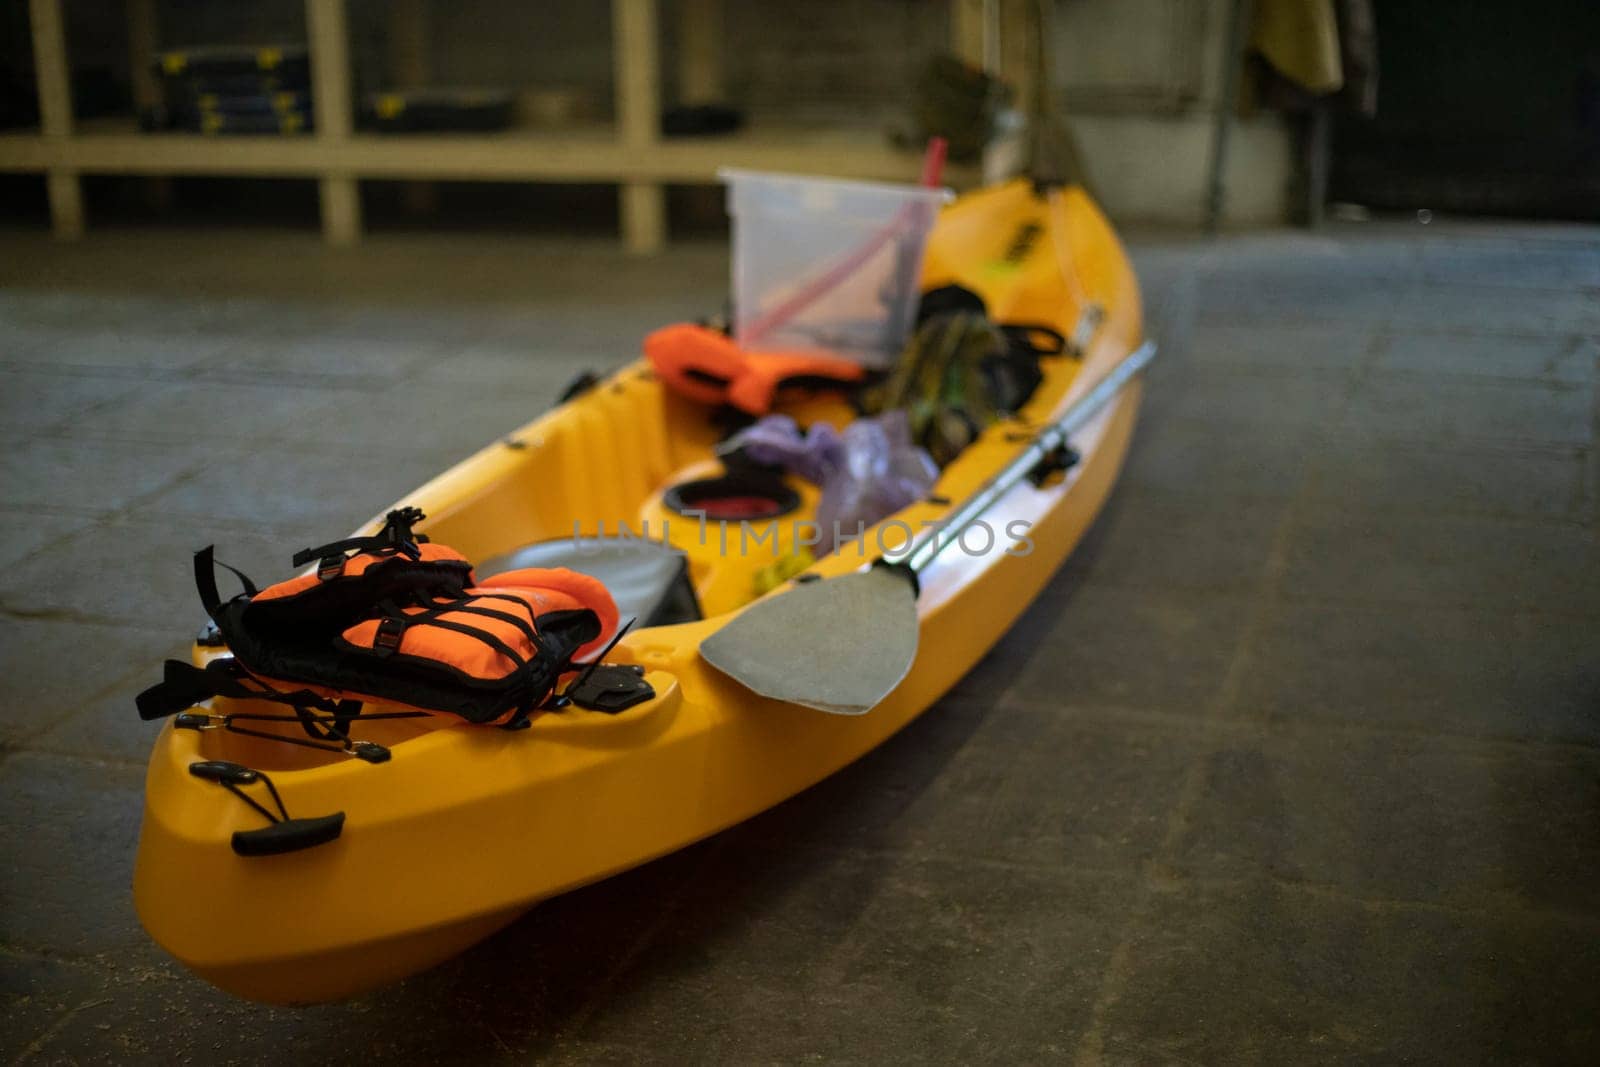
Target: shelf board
pixel 22 150
pixel 584 153
pixel 843 153
pixel 162 153
pixel 588 153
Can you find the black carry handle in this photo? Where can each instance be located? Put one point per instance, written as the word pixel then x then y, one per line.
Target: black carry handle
pixel 289 835
pixel 281 834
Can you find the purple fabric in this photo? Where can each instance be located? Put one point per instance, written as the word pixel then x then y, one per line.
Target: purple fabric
pixel 776 440
pixel 867 473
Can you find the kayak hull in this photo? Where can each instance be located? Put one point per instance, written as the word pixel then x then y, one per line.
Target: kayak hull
pixel 741 759
pixel 343 972
pixel 466 827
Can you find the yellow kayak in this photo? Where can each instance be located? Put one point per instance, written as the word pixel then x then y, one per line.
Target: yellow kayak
pixel 462 828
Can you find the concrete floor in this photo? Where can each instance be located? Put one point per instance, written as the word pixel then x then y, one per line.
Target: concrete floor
pixel 1297 760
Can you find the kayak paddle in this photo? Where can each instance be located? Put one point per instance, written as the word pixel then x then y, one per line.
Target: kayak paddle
pixel 842 644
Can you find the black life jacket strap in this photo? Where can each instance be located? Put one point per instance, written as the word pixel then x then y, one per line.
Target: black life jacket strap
pixel 485 637
pixel 467 606
pixel 205 579
pixel 395 622
pixel 183 685
pixel 395 536
pixel 335 727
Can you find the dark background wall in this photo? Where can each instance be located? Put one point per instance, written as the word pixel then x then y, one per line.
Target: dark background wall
pixel 1484 106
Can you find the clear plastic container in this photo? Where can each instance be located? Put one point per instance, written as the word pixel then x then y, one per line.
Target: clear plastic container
pixel 827 265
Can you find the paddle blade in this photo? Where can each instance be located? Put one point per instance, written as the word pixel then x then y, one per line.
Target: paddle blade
pixel 839 645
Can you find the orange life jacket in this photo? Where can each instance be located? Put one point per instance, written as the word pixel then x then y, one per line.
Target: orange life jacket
pixel 707 365
pixel 399 622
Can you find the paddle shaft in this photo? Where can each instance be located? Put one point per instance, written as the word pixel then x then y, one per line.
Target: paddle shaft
pixel 925 548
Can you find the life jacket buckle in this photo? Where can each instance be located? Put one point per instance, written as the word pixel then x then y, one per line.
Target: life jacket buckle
pixel 396 533
pixel 387 639
pixel 394 543
pixel 369 751
pixel 330 567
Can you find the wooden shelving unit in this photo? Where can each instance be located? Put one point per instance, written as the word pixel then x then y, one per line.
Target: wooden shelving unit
pixel 630 153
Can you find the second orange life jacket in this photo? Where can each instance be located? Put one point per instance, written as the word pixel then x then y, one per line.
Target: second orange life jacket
pixel 707 365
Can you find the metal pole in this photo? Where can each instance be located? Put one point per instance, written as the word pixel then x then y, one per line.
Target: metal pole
pixel 1057 433
pixel 1233 46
